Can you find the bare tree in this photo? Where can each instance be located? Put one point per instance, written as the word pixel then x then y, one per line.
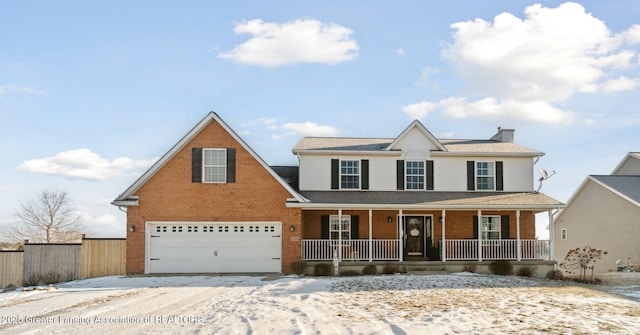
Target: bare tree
pixel 48 218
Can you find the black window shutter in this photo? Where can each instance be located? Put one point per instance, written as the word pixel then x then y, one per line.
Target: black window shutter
pixel 231 165
pixel 499 179
pixel 355 227
pixel 400 175
pixel 196 165
pixel 335 174
pixel 504 226
pixel 475 227
pixel 324 227
pixel 364 174
pixel 471 175
pixel 430 175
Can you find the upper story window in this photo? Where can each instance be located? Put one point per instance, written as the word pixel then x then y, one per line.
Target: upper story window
pixel 214 165
pixel 485 176
pixel 414 174
pixel 349 174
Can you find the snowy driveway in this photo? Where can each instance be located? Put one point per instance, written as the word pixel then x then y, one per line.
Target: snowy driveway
pixel 400 304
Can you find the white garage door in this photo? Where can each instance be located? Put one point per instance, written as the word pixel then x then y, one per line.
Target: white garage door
pixel 213 247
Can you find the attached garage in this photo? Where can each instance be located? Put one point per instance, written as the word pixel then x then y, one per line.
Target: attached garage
pixel 213 247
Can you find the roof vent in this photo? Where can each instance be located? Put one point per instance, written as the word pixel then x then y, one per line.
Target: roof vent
pixel 504 135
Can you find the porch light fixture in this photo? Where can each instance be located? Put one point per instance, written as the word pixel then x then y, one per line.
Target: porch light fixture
pixel 292 228
pixel 389 219
pixel 132 228
pixel 440 219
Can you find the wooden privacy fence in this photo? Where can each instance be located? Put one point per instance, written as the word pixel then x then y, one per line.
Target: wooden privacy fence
pixel 10 267
pixel 94 257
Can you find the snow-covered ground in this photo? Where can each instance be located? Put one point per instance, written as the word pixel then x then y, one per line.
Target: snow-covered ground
pixel 395 304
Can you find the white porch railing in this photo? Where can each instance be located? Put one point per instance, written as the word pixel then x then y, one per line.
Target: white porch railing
pixel 351 250
pixel 495 249
pixel 389 250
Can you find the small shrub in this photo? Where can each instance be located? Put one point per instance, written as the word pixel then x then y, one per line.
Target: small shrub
pixel 390 268
pixel 71 276
pixel 349 273
pixel 10 287
pixel 299 267
pixel 470 268
pixel 501 267
pixel 52 277
pixel 33 279
pixel 555 275
pixel 525 271
pixel 322 269
pixel 369 270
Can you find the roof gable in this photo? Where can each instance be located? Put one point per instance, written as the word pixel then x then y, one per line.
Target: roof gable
pixel 630 165
pixel 416 133
pixel 127 198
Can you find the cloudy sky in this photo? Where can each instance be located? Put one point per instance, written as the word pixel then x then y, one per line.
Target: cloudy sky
pixel 91 93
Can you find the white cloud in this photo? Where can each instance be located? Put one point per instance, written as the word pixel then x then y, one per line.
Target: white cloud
pixel 84 164
pixel 419 110
pixel 527 65
pixel 620 84
pixel 491 108
pixel 425 77
pixel 299 41
pixel 310 129
pixel 401 52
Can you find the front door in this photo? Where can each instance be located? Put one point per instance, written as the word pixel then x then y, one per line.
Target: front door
pixel 414 236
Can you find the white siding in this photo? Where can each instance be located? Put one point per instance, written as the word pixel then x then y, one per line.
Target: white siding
pixel 382 173
pixel 601 219
pixel 315 173
pixel 416 143
pixel 450 172
pixel 517 174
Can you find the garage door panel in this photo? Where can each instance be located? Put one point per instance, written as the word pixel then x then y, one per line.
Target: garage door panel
pixel 191 247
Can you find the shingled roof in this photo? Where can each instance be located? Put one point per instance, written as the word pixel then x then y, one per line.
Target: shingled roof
pixel 424 200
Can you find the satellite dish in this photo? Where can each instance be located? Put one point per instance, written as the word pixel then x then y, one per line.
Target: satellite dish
pixel 544 176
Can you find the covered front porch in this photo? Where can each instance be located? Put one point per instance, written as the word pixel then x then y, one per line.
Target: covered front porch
pixel 487 235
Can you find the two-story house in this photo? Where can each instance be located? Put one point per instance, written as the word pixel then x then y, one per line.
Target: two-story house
pixel 415 197
pixel 211 204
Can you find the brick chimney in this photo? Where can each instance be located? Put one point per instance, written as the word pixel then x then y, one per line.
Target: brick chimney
pixel 504 135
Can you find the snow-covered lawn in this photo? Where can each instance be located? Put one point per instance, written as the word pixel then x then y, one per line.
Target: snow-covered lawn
pixel 395 304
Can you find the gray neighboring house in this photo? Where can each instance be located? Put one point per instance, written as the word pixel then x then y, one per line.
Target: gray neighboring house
pixel 604 213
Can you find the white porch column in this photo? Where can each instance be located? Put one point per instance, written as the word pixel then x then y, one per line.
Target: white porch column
pixel 339 234
pixel 370 235
pixel 444 241
pixel 401 235
pixel 551 236
pixel 479 235
pixel 518 245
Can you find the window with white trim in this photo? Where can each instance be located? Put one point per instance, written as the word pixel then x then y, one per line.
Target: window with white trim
pixel 214 165
pixel 563 234
pixel 350 174
pixel 491 227
pixel 339 230
pixel 414 175
pixel 485 176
